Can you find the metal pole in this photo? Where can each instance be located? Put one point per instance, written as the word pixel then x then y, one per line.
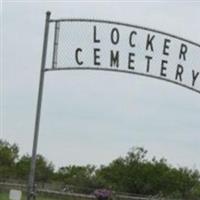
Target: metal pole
pixel 31 188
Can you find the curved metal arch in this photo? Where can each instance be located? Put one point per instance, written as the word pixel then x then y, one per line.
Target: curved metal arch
pixel 124 24
pixel 82 20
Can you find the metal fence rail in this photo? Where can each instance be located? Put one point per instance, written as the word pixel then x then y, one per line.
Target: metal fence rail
pixel 6 186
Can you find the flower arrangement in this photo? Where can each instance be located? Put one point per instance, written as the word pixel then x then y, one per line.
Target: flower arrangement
pixel 102 194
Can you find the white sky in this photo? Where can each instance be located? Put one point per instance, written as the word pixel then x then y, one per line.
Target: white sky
pixel 94 117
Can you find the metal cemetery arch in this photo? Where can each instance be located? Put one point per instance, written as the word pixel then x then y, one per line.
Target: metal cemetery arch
pixel 192 83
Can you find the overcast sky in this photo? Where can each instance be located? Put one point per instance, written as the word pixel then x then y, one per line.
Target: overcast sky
pixel 94 117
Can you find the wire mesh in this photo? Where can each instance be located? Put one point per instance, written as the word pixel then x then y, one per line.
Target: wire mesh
pixel 115 47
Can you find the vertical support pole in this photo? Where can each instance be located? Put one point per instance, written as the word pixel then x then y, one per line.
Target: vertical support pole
pixel 31 182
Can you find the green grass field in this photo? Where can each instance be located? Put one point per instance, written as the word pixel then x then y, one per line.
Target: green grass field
pixel 5 196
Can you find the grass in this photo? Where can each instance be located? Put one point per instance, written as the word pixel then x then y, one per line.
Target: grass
pixel 5 196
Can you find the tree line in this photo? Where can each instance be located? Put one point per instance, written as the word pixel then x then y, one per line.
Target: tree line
pixel 133 173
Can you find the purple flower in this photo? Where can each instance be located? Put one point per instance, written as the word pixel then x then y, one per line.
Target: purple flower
pixel 102 194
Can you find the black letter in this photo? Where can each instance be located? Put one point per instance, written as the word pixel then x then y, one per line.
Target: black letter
pixel 114 59
pixel 131 60
pixel 130 38
pixel 115 30
pixel 96 56
pixel 149 42
pixel 95 35
pixel 165 47
pixel 183 51
pixel 76 56
pixel 148 62
pixel 194 77
pixel 179 72
pixel 163 68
